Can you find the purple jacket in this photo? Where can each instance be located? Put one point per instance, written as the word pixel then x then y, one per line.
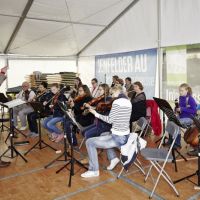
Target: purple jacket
pixel 188 106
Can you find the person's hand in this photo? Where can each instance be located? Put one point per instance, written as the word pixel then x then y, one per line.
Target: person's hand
pixel 45 103
pixel 86 105
pixel 92 111
pixel 71 104
pixel 51 106
pixel 178 109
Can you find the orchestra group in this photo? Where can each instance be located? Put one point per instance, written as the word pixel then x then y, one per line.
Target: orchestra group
pixel 105 113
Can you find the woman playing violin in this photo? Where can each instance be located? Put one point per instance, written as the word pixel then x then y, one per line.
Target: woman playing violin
pixel 84 96
pixel 49 123
pixel 99 126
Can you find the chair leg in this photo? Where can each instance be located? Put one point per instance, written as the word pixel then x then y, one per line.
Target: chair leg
pixel 120 172
pixel 83 140
pixel 139 167
pixel 160 171
pixel 174 160
pixel 148 173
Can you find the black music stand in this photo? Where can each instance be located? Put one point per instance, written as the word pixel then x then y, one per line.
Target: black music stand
pixel 197 187
pixel 72 160
pixel 3 99
pixel 11 147
pixel 168 111
pixel 39 109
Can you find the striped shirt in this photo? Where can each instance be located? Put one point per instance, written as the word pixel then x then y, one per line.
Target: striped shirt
pixel 119 116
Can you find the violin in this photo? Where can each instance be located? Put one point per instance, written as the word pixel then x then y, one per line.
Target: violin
pixel 105 106
pixel 93 101
pixel 79 98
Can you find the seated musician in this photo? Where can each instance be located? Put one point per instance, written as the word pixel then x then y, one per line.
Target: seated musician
pixel 185 111
pixel 77 84
pixel 119 117
pixel 42 96
pixel 56 134
pixel 138 102
pixel 23 110
pixel 129 87
pixel 84 96
pixel 95 88
pixel 99 126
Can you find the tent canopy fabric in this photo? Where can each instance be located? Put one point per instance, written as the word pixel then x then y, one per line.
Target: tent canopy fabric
pixel 66 27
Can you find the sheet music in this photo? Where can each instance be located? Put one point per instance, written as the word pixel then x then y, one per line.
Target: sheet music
pixel 73 119
pixel 14 103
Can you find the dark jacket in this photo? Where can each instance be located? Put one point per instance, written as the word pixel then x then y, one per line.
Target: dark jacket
pixel 138 106
pixel 57 111
pixel 84 120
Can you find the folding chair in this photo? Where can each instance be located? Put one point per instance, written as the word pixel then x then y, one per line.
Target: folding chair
pixel 159 155
pixel 142 123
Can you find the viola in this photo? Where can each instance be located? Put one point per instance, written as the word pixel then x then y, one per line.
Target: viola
pixel 79 98
pixel 105 106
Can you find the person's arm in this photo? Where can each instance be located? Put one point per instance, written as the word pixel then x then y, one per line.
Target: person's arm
pixel 31 96
pixel 191 109
pixel 112 115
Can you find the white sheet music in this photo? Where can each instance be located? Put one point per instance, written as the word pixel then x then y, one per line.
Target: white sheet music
pixel 14 103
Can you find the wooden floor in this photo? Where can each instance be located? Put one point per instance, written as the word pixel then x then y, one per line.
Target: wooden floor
pixel 30 181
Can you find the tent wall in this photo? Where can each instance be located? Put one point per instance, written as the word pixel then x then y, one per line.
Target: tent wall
pixel 86 69
pixel 18 69
pixel 3 64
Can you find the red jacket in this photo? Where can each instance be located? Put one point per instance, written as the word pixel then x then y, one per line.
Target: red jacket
pixel 155 117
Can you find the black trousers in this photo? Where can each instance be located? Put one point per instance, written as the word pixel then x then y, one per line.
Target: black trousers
pixel 32 121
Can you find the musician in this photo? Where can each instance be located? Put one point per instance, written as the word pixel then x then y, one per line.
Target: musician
pixel 95 88
pixel 119 117
pixel 114 80
pixel 23 110
pixel 138 102
pixel 99 126
pixel 42 96
pixel 186 110
pixel 77 83
pixel 129 87
pixel 56 135
pixel 84 96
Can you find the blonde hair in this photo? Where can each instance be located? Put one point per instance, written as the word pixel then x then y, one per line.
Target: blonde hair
pixel 187 87
pixel 117 87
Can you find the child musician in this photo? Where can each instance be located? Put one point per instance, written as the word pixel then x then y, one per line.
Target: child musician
pixel 185 111
pixel 42 96
pixel 56 135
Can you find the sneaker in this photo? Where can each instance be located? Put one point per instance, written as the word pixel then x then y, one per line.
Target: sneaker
pixel 84 161
pixel 33 135
pixel 59 138
pixel 194 152
pixel 90 174
pixel 23 128
pixel 113 164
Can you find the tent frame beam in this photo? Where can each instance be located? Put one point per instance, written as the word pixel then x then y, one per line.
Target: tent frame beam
pixel 18 26
pixel 133 3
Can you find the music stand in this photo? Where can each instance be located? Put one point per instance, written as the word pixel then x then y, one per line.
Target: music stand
pixel 39 109
pixel 74 126
pixel 3 99
pixel 11 147
pixel 197 187
pixel 168 111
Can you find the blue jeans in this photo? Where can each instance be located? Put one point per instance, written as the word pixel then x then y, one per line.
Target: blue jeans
pixel 185 122
pixel 50 124
pixel 104 142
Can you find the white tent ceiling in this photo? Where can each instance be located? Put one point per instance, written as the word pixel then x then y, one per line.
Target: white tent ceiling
pixel 65 27
pixel 55 27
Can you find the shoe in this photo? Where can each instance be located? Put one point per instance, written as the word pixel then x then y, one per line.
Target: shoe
pixel 90 174
pixel 194 152
pixel 23 128
pixel 113 164
pixel 33 134
pixel 4 164
pixel 53 137
pixel 59 138
pixel 84 161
